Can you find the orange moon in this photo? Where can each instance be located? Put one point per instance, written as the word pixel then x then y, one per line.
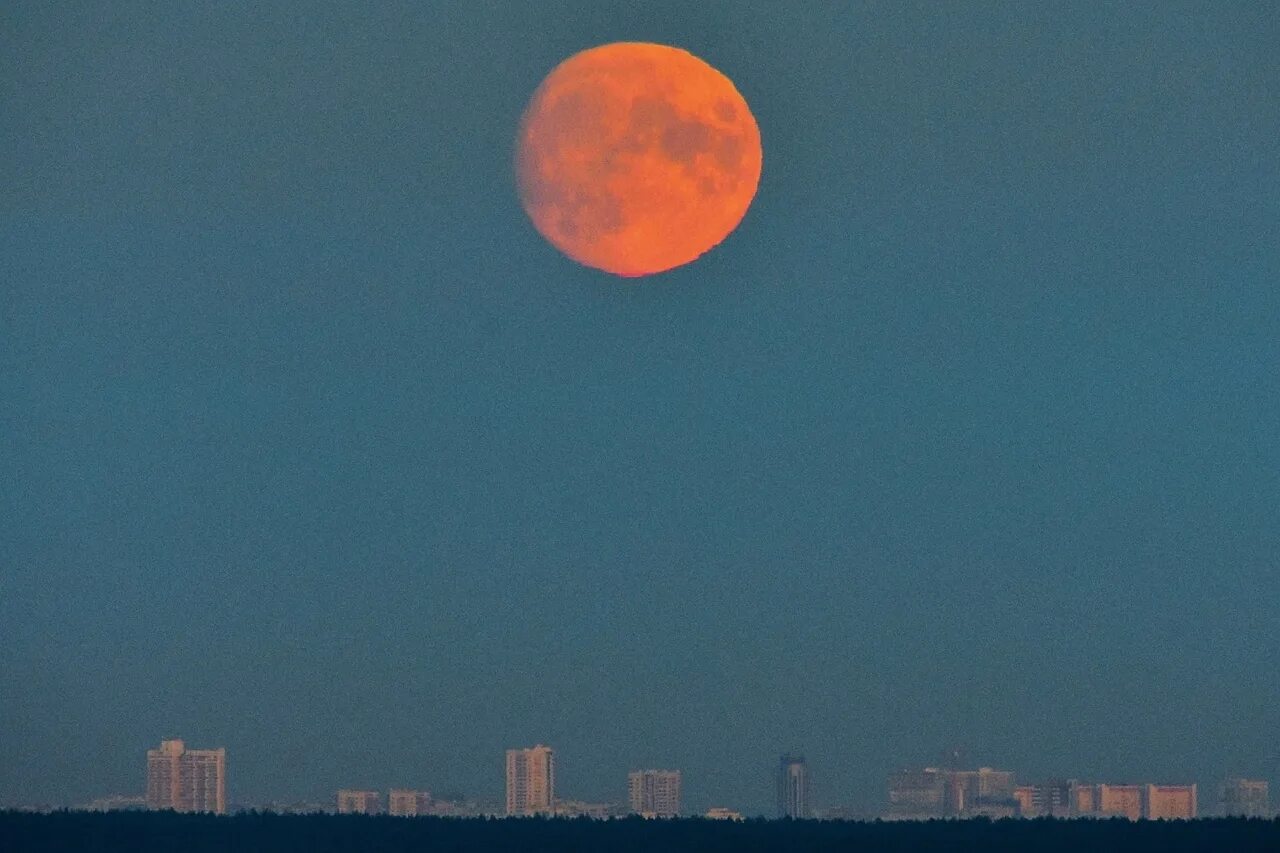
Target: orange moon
pixel 635 158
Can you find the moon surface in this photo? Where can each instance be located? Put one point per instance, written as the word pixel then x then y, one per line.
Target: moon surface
pixel 635 158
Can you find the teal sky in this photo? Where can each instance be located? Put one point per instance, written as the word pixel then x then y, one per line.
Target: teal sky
pixel 311 448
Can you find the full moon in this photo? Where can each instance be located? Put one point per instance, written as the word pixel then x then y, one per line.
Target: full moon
pixel 635 158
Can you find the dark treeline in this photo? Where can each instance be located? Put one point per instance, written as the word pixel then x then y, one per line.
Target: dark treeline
pixel 166 831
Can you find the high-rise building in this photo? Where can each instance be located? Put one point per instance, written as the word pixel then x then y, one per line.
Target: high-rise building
pixel 1170 802
pixel 793 786
pixel 187 780
pixel 531 781
pixel 654 793
pixel 916 794
pixel 359 802
pixel 1244 798
pixel 1120 801
pixel 402 803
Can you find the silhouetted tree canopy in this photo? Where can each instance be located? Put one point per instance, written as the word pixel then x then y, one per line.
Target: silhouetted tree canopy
pixel 265 833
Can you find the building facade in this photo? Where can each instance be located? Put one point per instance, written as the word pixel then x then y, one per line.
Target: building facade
pixel 1170 802
pixel 187 780
pixel 722 813
pixel 359 802
pixel 793 787
pixel 580 808
pixel 985 792
pixel 654 793
pixel 403 803
pixel 936 792
pixel 1244 798
pixel 1120 801
pixel 1049 799
pixel 531 781
pixel 916 794
pixel 1083 799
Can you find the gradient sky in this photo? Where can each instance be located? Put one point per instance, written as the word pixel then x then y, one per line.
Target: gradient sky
pixel 312 448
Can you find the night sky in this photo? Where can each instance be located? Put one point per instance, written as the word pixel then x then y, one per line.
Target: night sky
pixel 312 448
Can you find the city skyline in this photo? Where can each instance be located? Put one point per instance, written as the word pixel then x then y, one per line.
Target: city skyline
pixel 195 781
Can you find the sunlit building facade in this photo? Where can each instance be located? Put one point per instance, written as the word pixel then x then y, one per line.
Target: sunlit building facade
pixel 1120 801
pixel 1083 799
pixel 531 781
pixel 1170 802
pixel 1050 799
pixel 359 802
pixel 187 780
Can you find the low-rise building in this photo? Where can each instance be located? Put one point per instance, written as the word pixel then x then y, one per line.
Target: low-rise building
pixel 578 808
pixel 117 803
pixel 722 813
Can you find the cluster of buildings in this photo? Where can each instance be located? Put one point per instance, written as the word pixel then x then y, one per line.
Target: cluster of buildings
pixel 531 791
pixel 935 792
pixel 195 780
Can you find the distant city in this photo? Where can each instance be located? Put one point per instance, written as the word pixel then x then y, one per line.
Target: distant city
pixel 195 780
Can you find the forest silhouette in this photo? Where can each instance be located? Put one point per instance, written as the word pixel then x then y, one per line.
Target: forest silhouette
pixel 318 833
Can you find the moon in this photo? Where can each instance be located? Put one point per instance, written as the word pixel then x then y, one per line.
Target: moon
pixel 635 158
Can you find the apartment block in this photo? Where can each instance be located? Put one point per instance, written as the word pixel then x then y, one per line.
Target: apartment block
pixel 654 793
pixel 1244 798
pixel 531 781
pixel 187 780
pixel 1120 801
pixel 404 803
pixel 359 802
pixel 1170 802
